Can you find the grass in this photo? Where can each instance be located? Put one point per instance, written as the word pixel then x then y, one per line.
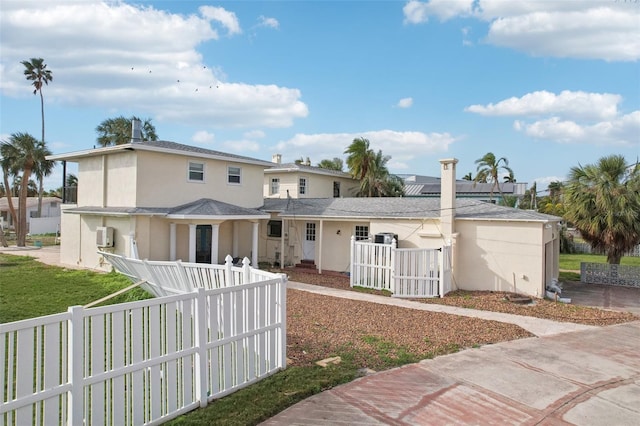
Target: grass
pixel 571 262
pixel 45 239
pixel 30 289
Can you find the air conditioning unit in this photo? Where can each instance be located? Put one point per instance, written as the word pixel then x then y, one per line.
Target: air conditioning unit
pixel 385 238
pixel 104 236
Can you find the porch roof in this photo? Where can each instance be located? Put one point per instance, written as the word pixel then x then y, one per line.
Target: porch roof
pixel 204 208
pixel 397 208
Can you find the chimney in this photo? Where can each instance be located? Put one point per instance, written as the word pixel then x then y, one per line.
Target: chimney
pixel 136 130
pixel 276 158
pixel 447 196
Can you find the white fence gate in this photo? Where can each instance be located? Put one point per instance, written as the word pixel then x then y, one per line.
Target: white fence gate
pixel 143 362
pixel 404 272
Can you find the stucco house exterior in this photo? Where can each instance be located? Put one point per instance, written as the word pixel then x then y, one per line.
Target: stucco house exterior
pixel 494 248
pixel 295 180
pixel 48 222
pixel 162 201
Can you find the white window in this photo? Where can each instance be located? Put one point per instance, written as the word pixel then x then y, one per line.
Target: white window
pixel 303 186
pixel 275 186
pixel 336 189
pixel 274 228
pixel 196 172
pixel 361 232
pixel 233 175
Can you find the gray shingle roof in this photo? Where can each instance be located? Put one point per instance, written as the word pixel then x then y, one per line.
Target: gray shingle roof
pixel 402 208
pixel 174 146
pixel 289 167
pixel 202 207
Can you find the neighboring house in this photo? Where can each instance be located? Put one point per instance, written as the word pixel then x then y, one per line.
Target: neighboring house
pixel 428 186
pixel 48 222
pixel 162 201
pixel 305 181
pixel 494 248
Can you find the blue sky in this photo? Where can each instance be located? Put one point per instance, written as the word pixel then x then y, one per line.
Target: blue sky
pixel 546 84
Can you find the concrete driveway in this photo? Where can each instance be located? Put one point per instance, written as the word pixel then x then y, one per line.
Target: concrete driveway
pixel 603 296
pixel 583 378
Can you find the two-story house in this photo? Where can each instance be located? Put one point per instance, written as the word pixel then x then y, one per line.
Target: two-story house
pixel 162 201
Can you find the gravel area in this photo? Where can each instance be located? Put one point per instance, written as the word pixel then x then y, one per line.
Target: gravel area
pixel 320 326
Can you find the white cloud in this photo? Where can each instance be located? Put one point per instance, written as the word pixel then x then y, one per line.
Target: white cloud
pixel 226 18
pixel 567 104
pixel 140 59
pixel 405 103
pixel 241 146
pixel 596 29
pixel 624 130
pixel 254 134
pixel 403 147
pixel 203 137
pixel 264 21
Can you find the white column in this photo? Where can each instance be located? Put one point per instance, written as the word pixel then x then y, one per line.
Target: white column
pixel 192 242
pixel 282 231
pixel 254 246
pixel 172 241
pixel 319 237
pixel 215 236
pixel 234 248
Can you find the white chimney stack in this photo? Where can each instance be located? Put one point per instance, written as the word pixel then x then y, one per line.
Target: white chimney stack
pixel 276 158
pixel 448 196
pixel 136 130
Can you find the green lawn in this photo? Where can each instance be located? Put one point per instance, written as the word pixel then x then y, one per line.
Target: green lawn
pixel 572 261
pixel 30 289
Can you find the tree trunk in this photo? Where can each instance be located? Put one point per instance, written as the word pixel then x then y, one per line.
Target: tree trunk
pixel 41 177
pixel 613 257
pixel 3 240
pixel 21 232
pixel 12 209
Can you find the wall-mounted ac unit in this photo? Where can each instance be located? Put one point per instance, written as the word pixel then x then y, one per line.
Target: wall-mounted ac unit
pixel 104 236
pixel 385 238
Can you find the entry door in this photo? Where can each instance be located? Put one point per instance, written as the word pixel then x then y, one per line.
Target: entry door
pixel 309 247
pixel 203 244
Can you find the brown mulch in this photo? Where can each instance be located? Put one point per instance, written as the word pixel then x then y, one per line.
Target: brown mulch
pixel 319 326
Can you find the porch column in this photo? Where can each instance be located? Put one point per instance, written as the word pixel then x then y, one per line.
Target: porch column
pixel 319 238
pixel 215 236
pixel 254 246
pixel 192 242
pixel 172 241
pixel 282 230
pixel 234 248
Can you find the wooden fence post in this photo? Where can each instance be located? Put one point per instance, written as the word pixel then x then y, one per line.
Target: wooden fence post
pixel 75 407
pixel 202 371
pixel 246 271
pixel 228 274
pixel 392 278
pixel 352 260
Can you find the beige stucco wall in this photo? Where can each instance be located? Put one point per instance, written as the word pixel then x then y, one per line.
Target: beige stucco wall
pixel 500 256
pixel 318 186
pixel 115 188
pixel 163 181
pixel 411 233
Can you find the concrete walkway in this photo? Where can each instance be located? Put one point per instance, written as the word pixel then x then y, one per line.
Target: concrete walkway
pixel 589 377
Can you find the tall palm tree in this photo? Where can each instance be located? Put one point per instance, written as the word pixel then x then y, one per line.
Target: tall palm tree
pixel 335 164
pixel 371 169
pixel 602 200
pixel 35 70
pixel 41 169
pixel 19 154
pixel 117 131
pixel 489 169
pixel 468 176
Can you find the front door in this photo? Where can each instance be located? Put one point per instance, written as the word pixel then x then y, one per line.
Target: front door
pixel 309 246
pixel 203 244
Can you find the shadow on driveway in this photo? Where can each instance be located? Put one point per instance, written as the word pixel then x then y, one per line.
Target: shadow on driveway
pixel 603 296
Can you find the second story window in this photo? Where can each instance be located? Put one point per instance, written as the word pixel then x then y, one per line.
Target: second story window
pixel 336 189
pixel 303 186
pixel 233 175
pixel 196 172
pixel 275 186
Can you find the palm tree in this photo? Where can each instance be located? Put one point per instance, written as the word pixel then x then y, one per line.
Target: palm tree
pixel 489 169
pixel 41 169
pixel 117 131
pixel 335 164
pixel 371 169
pixel 19 154
pixel 602 200
pixel 37 72
pixel 468 176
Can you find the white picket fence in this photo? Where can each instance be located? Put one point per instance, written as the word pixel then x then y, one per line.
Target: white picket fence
pixel 410 273
pixel 149 361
